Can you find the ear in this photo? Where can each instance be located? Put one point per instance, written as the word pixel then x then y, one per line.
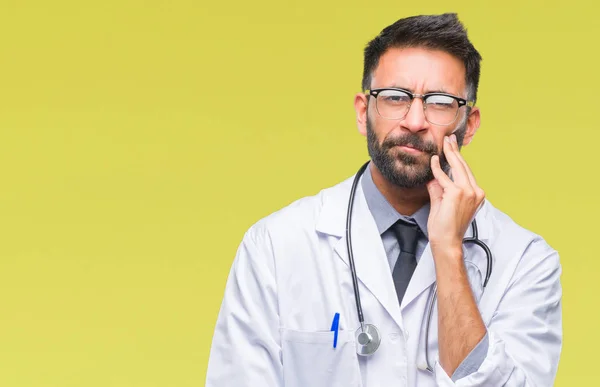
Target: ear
pixel 472 125
pixel 361 106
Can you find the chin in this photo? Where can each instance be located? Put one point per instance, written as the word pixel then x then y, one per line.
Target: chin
pixel 411 176
pixel 410 166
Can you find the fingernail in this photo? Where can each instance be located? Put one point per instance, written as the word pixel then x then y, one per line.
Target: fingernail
pixel 454 137
pixel 447 139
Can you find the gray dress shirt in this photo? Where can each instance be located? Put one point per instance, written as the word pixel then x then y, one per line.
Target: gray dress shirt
pixel 385 216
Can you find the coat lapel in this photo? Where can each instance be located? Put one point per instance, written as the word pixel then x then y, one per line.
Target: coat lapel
pixel 370 260
pixel 424 275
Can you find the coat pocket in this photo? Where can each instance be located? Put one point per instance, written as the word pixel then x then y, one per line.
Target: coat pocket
pixel 309 359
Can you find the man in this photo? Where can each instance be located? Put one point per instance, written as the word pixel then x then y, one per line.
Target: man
pixel 290 315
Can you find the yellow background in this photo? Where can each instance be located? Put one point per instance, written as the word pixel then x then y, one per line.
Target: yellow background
pixel 140 139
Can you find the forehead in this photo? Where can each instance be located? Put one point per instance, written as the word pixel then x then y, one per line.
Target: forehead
pixel 420 70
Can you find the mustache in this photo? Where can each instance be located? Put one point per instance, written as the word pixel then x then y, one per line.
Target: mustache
pixel 411 140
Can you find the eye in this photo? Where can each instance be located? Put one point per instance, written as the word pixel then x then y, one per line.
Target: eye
pixel 440 101
pixel 395 97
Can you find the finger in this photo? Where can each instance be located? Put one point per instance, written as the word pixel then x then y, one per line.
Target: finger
pixel 439 174
pixel 458 170
pixel 463 162
pixel 436 192
pixel 469 173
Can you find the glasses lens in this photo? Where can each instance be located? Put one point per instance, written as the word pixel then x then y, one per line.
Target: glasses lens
pixel 441 109
pixel 393 104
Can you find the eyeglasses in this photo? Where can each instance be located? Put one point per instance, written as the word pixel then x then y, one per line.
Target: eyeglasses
pixel 438 108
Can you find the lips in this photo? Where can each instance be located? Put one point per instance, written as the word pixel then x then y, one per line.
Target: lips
pixel 409 149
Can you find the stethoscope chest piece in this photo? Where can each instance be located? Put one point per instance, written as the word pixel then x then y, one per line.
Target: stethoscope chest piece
pixel 367 340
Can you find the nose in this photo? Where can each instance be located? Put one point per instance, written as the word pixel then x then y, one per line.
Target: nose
pixel 415 118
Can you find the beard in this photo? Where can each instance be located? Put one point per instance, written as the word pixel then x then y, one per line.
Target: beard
pixel 406 170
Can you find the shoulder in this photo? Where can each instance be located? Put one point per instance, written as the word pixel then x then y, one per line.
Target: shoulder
pixel 298 218
pixel 515 240
pixel 504 226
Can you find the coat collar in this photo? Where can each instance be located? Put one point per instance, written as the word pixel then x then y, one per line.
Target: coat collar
pixel 334 207
pixel 370 260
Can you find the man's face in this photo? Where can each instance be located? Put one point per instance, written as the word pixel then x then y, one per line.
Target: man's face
pixel 402 149
pixel 404 168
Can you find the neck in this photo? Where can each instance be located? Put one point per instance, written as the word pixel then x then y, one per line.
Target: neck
pixel 404 200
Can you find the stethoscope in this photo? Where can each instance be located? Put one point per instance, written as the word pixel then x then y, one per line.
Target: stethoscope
pixel 368 337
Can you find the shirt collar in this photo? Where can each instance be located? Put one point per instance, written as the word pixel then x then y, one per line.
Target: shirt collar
pixel 383 213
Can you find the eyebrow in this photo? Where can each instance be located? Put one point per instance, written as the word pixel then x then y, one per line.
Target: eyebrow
pixel 440 90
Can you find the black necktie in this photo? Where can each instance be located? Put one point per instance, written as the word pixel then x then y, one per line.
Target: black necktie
pixel 408 236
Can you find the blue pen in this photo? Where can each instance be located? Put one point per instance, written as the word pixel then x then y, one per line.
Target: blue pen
pixel 335 328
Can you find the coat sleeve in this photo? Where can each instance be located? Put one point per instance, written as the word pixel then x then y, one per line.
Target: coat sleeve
pixel 246 348
pixel 525 332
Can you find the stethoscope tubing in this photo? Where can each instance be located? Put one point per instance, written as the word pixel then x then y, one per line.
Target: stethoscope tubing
pixel 431 302
pixel 474 239
pixel 359 310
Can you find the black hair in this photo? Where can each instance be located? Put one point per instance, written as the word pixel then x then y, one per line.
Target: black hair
pixel 437 32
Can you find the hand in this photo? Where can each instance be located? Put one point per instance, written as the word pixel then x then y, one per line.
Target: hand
pixel 453 203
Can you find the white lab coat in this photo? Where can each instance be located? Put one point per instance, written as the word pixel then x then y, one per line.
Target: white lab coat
pixel 291 275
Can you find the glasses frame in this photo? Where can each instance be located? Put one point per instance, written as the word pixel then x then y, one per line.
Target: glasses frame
pixel 461 102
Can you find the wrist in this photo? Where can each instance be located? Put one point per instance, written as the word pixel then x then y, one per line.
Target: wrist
pixel 447 252
pixel 449 267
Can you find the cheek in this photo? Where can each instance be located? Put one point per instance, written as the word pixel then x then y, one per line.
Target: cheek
pixel 439 141
pixel 381 126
